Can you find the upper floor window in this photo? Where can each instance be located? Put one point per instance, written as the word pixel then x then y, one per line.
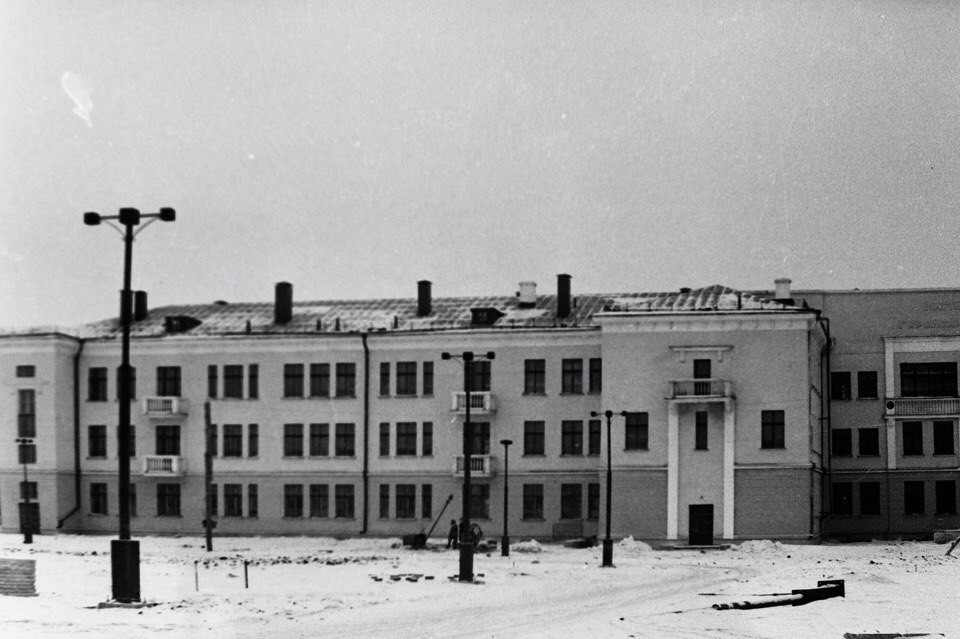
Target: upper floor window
pixel 842 443
pixel 319 440
pixel 913 438
pixel 534 377
pixel 319 380
pixel 596 375
pixel 406 378
pixel 168 440
pixel 943 438
pixel 344 440
pixel 168 381
pixel 572 376
pixel 26 412
pixel 232 440
pixel 97 441
pixel 293 380
pixel 772 423
pixel 26 370
pixel 407 438
pixel 427 379
pixel 840 385
pixel 533 438
pixel 928 379
pixel 593 437
pixel 233 381
pixel 253 381
pixel 869 441
pixel 212 381
pixel 571 437
pixel 293 440
pixel 97 384
pixel 866 384
pixel 636 431
pixel 346 380
pixel 701 425
pixel 27 454
pixel 480 376
pixel 384 379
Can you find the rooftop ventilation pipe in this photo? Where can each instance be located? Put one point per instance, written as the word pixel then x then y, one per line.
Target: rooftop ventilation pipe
pixel 283 305
pixel 527 296
pixel 424 299
pixel 782 290
pixel 140 310
pixel 563 295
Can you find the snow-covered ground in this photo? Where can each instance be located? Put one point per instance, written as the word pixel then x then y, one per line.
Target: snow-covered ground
pixel 313 587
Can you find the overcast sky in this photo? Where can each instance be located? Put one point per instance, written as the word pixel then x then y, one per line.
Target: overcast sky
pixel 353 148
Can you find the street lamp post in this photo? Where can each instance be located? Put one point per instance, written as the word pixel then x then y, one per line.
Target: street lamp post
pixel 26 519
pixel 607 542
pixel 466 541
pixel 505 542
pixel 124 552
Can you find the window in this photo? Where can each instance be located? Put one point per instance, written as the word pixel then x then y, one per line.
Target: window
pixel 928 379
pixel 571 498
pixel 480 501
pixel 292 500
pixel 26 370
pixel 233 500
pixel 912 438
pixel 253 440
pixel 533 437
pixel 772 429
pixel 946 495
pixel 343 444
pixel 842 498
pixel 97 441
pixel 596 375
pixel 701 424
pixel 406 378
pixel 426 446
pixel 426 501
pixel 480 376
pixel 212 382
pixel 319 380
pixel 842 442
pixel 942 438
pixel 343 495
pixel 253 500
pixel 869 442
pixel 213 500
pixel 319 440
pixel 233 381
pixel 26 412
pixel 480 444
pixel 168 381
pixel 428 379
pixel 232 440
pixel 346 380
pixel 168 500
pixel 534 377
pixel 866 384
pixel 319 500
pixel 913 502
pixel 840 385
pixel 593 501
pixel 168 440
pixel 593 437
pixel 293 380
pixel 870 498
pixel 97 384
pixel 636 432
pixel 27 454
pixel 384 379
pixel 572 376
pixel 253 381
pixel 407 438
pixel 384 501
pixel 28 491
pixel 701 369
pixel 98 498
pixel 133 382
pixel 533 501
pixel 293 440
pixel 571 437
pixel 384 439
pixel 406 501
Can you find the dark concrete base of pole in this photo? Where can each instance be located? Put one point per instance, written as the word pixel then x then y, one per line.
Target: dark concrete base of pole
pixel 505 546
pixel 125 562
pixel 466 562
pixel 607 553
pixel 28 538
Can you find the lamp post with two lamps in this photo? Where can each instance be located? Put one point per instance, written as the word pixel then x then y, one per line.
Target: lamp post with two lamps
pixel 607 542
pixel 466 539
pixel 124 552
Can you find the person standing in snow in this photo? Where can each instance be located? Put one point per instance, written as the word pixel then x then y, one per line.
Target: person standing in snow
pixel 453 536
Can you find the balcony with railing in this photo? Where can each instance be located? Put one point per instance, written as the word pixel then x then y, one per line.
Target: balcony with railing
pixel 482 402
pixel 923 406
pixel 163 466
pixel 480 466
pixel 697 390
pixel 159 407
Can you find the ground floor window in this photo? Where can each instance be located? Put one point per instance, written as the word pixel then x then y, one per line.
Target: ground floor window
pixel 319 500
pixel 253 500
pixel 426 501
pixel 233 500
pixel 946 497
pixel 480 501
pixel 593 501
pixel 870 498
pixel 292 500
pixel 168 500
pixel 913 498
pixel 343 495
pixel 571 501
pixel 406 501
pixel 533 501
pixel 98 499
pixel 842 498
pixel 384 501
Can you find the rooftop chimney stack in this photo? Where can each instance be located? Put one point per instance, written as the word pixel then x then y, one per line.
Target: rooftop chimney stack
pixel 782 290
pixel 563 295
pixel 283 305
pixel 527 295
pixel 140 310
pixel 424 299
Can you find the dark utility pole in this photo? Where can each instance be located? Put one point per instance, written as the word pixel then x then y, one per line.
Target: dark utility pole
pixel 505 542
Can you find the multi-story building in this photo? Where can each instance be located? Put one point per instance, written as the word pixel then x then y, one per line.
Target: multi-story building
pixel 342 417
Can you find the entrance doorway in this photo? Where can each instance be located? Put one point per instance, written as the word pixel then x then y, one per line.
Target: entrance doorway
pixel 701 525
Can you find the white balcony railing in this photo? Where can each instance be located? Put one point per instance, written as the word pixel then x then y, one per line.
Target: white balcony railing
pixel 480 466
pixel 701 388
pixel 163 465
pixel 920 406
pixel 480 402
pixel 164 406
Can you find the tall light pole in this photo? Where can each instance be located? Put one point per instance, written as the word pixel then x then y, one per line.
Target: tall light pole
pixel 466 541
pixel 607 542
pixel 124 552
pixel 26 513
pixel 505 542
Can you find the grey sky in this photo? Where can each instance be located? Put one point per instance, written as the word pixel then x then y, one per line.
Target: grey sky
pixel 353 148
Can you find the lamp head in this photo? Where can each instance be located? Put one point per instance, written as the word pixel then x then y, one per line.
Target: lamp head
pixel 91 219
pixel 594 413
pixel 129 216
pixel 506 442
pixel 445 355
pixel 167 214
pixel 491 355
